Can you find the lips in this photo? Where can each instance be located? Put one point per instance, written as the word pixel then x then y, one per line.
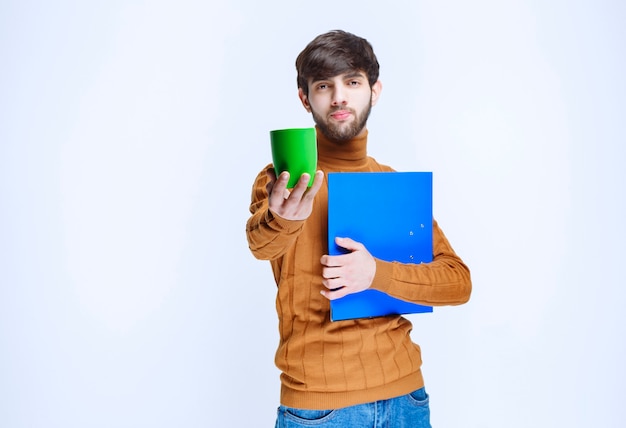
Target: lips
pixel 341 115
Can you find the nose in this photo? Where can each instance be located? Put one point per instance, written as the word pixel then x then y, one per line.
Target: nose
pixel 339 96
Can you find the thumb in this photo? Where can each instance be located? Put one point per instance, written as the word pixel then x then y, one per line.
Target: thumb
pixel 348 244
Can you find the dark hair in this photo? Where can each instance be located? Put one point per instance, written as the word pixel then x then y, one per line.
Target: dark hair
pixel 333 53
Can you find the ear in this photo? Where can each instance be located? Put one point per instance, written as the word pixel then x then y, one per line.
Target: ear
pixel 304 100
pixel 376 90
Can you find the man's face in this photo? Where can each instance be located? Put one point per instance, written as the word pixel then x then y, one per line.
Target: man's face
pixel 340 105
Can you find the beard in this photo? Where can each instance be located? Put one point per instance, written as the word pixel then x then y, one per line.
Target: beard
pixel 342 132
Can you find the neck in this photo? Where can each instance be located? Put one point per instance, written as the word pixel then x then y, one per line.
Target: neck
pixel 350 152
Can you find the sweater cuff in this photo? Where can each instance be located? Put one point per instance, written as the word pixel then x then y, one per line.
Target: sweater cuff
pixel 382 277
pixel 282 224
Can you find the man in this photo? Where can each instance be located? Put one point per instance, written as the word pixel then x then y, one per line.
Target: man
pixel 352 373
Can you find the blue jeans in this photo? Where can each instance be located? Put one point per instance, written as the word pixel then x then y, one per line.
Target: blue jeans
pixel 407 411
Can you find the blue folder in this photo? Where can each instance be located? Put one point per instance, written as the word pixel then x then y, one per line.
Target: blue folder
pixel 391 213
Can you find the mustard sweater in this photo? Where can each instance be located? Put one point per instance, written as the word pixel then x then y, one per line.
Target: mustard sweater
pixel 329 365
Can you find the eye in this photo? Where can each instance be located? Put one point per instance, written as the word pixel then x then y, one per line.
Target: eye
pixel 321 86
pixel 354 83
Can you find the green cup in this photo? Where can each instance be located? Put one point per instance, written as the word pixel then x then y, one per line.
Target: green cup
pixel 294 150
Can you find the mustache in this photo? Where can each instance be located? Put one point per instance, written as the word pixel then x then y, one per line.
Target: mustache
pixel 336 109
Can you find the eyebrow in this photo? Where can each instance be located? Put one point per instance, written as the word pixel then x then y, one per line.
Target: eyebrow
pixel 354 74
pixel 348 75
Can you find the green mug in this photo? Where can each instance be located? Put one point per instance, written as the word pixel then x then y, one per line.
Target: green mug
pixel 294 150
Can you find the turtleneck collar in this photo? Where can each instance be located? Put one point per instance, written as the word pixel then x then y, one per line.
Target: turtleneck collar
pixel 351 154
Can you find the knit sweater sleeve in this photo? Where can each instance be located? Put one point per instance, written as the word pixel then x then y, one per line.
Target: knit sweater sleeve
pixel 269 236
pixel 444 281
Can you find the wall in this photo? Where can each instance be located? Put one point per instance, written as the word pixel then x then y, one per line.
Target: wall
pixel 130 133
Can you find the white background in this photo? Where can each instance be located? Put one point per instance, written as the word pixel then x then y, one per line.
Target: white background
pixel 131 132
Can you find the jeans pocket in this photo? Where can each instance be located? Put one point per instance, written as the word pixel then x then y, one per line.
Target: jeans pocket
pixel 419 397
pixel 305 417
